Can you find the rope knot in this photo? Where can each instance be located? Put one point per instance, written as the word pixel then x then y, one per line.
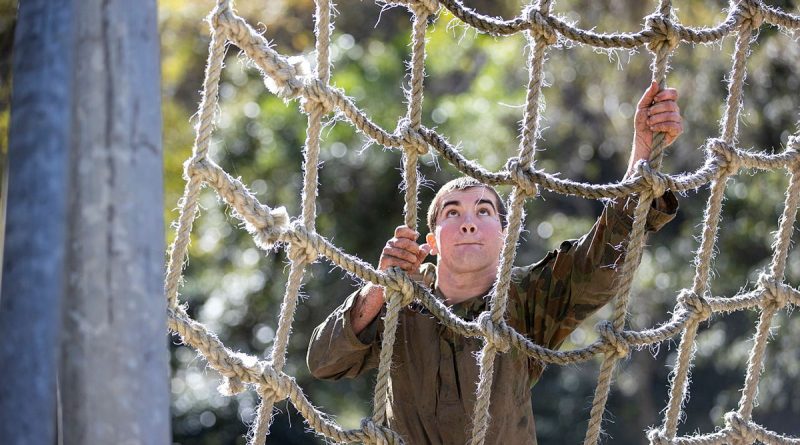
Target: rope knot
pixel 613 339
pixel 521 177
pixel 410 137
pixel 302 247
pixel 695 303
pixel 232 383
pixel 777 293
pixel 222 10
pixel 657 181
pixel 792 152
pixel 302 252
pixel 657 437
pixel 196 165
pixel 426 7
pixel 379 434
pixel 402 284
pixel 541 28
pixel 274 385
pixel 726 157
pixel 317 98
pixel 749 14
pixel 271 226
pixel 664 33
pixel 495 334
pixel 739 428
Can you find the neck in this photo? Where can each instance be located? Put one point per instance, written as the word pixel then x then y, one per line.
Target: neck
pixel 458 287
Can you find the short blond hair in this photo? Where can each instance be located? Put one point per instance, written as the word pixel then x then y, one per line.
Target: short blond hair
pixel 463 183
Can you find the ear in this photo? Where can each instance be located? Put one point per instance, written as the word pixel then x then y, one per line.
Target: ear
pixel 431 240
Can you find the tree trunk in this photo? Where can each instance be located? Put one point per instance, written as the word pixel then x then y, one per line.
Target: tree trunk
pixel 114 379
pixel 35 241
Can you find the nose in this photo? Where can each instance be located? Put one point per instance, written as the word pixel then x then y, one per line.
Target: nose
pixel 467 227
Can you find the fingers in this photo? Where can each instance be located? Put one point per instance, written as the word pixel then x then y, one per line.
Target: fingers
pixel 667 94
pixel 663 107
pixel 405 232
pixel 648 97
pixel 402 251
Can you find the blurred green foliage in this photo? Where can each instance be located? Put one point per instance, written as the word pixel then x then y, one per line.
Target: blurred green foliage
pixel 474 95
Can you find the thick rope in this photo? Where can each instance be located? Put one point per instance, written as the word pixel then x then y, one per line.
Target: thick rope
pixel 680 375
pixel 270 226
pixel 188 203
pixel 299 259
pixel 538 42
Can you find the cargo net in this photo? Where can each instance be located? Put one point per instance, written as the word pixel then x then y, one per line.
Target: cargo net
pixel 317 98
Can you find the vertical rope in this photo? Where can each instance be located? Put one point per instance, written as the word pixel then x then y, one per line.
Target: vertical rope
pixel 782 240
pixel 299 258
pixel 516 215
pixel 729 125
pixel 410 125
pixel 661 52
pixel 204 130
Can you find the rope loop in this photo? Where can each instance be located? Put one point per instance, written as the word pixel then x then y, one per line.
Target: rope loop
pixel 302 246
pixel 540 28
pixel 776 293
pixel 317 97
pixel 657 181
pixel 426 7
pixel 664 32
pixel 402 283
pixel 410 137
pixel 727 159
pixel 749 14
pixel 657 437
pixel 520 177
pixel 739 428
pixel 495 334
pixel 695 304
pixel 614 339
pixel 379 434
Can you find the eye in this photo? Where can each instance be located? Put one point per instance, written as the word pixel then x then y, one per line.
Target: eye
pixel 451 212
pixel 485 211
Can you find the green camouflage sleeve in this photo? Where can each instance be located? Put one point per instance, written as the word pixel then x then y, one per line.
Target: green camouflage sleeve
pixel 577 279
pixel 335 351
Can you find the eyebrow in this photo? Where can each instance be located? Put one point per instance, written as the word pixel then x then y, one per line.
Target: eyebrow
pixel 456 202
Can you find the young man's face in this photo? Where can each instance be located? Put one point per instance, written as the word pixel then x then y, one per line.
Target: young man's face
pixel 469 235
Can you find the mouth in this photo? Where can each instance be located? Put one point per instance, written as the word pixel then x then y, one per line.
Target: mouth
pixel 469 244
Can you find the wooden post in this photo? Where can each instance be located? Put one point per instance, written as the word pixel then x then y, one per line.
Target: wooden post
pixel 35 233
pixel 114 359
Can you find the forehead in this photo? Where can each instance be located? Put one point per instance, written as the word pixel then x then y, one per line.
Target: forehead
pixel 468 196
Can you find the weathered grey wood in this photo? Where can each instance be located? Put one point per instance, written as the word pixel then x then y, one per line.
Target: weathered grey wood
pixel 33 260
pixel 114 379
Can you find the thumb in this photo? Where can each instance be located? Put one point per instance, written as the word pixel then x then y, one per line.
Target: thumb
pixel 649 96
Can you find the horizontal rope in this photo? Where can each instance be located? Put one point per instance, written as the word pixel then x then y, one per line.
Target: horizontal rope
pixel 653 32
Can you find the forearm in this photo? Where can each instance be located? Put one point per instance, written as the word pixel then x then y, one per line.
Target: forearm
pixel 367 306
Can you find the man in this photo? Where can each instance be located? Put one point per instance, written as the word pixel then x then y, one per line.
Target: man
pixel 434 372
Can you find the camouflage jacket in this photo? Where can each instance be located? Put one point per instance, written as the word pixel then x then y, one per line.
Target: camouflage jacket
pixel 434 372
